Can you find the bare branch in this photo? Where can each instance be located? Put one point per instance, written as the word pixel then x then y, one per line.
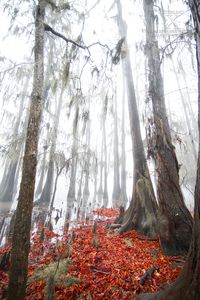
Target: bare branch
pixel 49 28
pixel 67 40
pixel 94 5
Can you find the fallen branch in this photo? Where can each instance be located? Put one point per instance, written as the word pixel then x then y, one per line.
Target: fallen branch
pixel 95 269
pixel 147 274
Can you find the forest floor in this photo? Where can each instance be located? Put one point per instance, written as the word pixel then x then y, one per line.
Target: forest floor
pixel 94 262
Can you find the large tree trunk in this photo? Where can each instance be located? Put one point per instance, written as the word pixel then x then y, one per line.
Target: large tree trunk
pixel 187 285
pixel 175 221
pixel 21 237
pixel 141 214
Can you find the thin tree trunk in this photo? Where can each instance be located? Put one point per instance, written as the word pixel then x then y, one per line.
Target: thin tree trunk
pixel 105 188
pixel 123 196
pixel 116 184
pixel 8 181
pixel 21 237
pixel 95 185
pixel 100 189
pixel 79 195
pixel 71 196
pixel 47 86
pixel 187 118
pixel 86 192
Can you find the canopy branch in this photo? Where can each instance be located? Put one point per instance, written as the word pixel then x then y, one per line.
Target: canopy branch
pixel 49 28
pixel 67 40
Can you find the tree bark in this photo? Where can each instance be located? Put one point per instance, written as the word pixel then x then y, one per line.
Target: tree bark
pixel 141 214
pixel 100 189
pixel 86 192
pixel 71 196
pixel 105 188
pixel 187 285
pixel 175 221
pixel 8 180
pixel 47 191
pixel 123 196
pixel 116 183
pixel 21 237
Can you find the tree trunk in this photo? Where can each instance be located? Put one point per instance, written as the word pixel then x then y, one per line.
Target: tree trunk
pixel 100 189
pixel 123 196
pixel 46 195
pixel 71 196
pixel 7 190
pixel 175 221
pixel 187 285
pixel 116 183
pixel 95 185
pixel 187 118
pixel 8 180
pixel 39 188
pixel 105 188
pixel 86 192
pixel 21 237
pixel 141 214
pixel 79 195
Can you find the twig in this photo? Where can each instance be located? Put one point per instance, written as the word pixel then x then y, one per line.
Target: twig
pixel 95 269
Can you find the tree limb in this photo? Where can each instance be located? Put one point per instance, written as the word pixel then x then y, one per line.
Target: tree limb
pixel 67 40
pixel 49 28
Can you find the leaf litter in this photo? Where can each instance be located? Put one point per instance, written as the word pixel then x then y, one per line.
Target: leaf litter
pixel 95 262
